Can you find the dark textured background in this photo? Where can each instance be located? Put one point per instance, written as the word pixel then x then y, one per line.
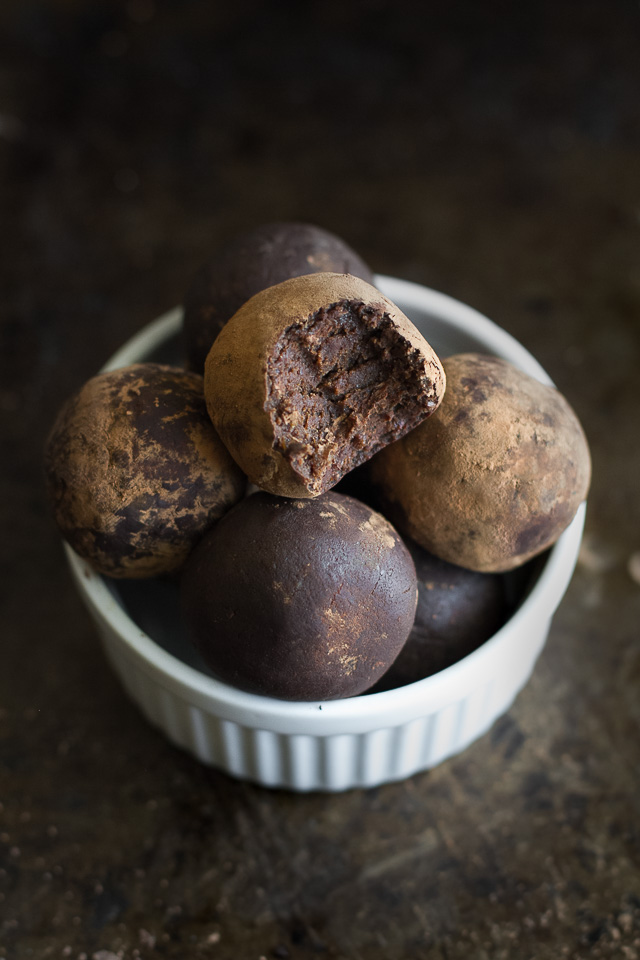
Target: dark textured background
pixel 491 151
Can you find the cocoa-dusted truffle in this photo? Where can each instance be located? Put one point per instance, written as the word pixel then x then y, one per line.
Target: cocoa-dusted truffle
pixel 458 610
pixel 495 476
pixel 300 599
pixel 136 472
pixel 251 262
pixel 314 375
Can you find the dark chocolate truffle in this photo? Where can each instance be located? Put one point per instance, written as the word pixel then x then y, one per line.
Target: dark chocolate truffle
pixel 250 263
pixel 314 375
pixel 495 476
pixel 458 610
pixel 300 599
pixel 136 472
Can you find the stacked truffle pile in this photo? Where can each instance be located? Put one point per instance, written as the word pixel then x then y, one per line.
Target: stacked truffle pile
pixel 302 381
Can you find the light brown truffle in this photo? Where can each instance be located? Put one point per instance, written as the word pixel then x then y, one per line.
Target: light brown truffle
pixel 495 476
pixel 313 376
pixel 136 472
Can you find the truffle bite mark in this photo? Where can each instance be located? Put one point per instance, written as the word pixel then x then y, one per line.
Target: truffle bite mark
pixel 341 385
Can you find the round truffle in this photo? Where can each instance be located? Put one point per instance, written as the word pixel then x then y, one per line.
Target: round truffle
pixel 458 610
pixel 136 472
pixel 300 599
pixel 314 375
pixel 495 476
pixel 253 261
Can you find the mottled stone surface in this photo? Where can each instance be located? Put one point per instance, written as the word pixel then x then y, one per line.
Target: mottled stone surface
pixel 488 151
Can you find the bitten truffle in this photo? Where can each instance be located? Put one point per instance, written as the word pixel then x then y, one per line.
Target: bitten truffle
pixel 253 261
pixel 300 599
pixel 313 376
pixel 458 610
pixel 136 472
pixel 495 476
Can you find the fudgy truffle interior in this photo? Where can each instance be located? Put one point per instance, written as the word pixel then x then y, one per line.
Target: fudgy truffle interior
pixel 340 386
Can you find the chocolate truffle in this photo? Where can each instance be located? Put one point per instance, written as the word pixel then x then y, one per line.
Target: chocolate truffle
pixel 300 599
pixel 314 375
pixel 253 261
pixel 495 476
pixel 136 472
pixel 458 610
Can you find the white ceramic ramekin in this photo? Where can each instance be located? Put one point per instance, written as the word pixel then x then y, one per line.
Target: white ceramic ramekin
pixel 340 744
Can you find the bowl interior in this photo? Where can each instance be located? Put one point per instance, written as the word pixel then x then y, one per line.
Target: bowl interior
pixel 154 606
pixel 449 326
